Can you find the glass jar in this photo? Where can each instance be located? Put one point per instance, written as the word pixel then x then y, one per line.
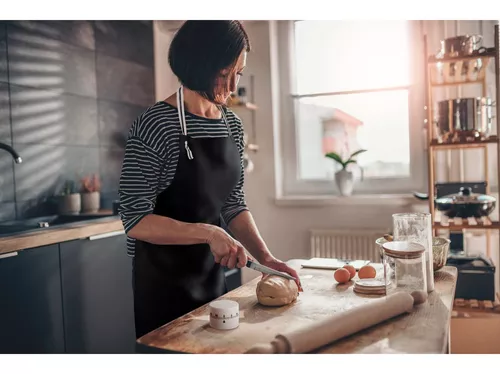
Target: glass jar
pixel 416 228
pixel 404 267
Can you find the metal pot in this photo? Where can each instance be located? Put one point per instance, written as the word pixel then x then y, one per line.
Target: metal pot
pixel 466 204
pixel 463 204
pixel 463 45
pixel 464 119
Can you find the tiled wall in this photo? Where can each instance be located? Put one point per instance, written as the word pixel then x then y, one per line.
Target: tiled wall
pixel 69 91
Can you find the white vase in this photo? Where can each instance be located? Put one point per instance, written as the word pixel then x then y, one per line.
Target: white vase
pixel 91 202
pixel 345 182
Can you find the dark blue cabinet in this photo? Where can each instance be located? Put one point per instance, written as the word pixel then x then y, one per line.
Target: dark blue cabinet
pixel 97 295
pixel 31 315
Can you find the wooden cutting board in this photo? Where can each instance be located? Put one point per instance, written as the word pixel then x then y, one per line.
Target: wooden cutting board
pixel 423 331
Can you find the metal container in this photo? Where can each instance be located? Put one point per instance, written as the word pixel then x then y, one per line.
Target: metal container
pixel 466 204
pixel 463 45
pixel 464 119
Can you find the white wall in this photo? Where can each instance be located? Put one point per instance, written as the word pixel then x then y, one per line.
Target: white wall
pixel 286 228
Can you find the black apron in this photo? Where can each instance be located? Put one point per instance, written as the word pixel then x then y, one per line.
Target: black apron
pixel 172 280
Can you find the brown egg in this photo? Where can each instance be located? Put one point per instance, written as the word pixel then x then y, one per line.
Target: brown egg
pixel 367 271
pixel 342 275
pixel 351 270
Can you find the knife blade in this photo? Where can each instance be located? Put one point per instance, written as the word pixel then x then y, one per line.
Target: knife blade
pixel 267 270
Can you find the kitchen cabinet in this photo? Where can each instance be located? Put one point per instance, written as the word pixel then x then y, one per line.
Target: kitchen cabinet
pixel 97 295
pixel 31 315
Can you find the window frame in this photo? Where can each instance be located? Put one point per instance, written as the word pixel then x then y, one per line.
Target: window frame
pixel 293 185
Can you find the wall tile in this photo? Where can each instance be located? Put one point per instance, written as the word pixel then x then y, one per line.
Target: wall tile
pixel 3 28
pixel 77 33
pixel 4 114
pixel 7 212
pixel 46 167
pixel 41 62
pixel 113 39
pixel 57 123
pixel 115 120
pixel 49 117
pixel 111 167
pixel 3 60
pixel 6 177
pixel 41 207
pixel 125 81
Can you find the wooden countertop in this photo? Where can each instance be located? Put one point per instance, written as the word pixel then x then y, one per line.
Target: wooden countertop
pixel 48 236
pixel 425 330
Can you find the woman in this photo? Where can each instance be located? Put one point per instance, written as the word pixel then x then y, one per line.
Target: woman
pixel 182 171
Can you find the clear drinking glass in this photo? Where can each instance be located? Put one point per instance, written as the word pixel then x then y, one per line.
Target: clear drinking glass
pixel 417 228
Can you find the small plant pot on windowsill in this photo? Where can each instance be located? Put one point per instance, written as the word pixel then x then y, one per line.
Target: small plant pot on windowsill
pixel 69 204
pixel 345 182
pixel 91 202
pixel 345 178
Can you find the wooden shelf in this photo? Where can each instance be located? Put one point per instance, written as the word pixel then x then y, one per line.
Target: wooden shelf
pixel 460 145
pixel 433 59
pixel 249 106
pixel 484 306
pixel 451 84
pixel 445 223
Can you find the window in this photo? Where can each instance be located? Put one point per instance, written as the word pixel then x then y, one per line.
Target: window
pixel 353 85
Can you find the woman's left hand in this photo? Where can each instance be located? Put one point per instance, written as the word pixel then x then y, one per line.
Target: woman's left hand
pixel 284 268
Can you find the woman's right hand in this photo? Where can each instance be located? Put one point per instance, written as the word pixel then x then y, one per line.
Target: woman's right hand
pixel 226 250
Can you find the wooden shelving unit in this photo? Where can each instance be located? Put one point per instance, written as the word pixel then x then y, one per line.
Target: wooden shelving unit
pixel 249 106
pixel 251 142
pixel 435 65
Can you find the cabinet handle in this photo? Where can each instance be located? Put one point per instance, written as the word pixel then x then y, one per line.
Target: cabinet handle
pixel 10 254
pixel 106 235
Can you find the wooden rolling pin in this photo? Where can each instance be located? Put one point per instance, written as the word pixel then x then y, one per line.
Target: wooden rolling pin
pixel 318 334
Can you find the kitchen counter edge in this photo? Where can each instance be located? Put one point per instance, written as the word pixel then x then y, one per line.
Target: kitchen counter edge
pixel 82 230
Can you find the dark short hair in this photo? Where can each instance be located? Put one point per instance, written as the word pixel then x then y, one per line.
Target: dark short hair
pixel 201 49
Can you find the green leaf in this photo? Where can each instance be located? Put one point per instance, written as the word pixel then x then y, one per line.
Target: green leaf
pixel 350 162
pixel 335 157
pixel 357 153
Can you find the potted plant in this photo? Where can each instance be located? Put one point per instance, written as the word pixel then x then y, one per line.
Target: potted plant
pixel 69 201
pixel 344 178
pixel 91 193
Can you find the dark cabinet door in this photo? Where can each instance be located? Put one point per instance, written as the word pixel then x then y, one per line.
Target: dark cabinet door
pixel 233 278
pixel 31 317
pixel 97 295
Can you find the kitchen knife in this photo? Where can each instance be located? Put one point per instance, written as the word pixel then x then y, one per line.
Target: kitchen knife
pixel 266 270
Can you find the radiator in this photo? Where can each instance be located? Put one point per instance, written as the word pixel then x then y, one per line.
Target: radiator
pixel 345 244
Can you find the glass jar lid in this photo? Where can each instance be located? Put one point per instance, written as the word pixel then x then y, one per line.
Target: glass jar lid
pixel 403 249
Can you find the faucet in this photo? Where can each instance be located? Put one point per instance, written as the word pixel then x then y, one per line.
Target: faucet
pixel 11 150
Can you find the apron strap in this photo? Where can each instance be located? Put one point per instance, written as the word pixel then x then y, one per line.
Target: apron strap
pixel 182 120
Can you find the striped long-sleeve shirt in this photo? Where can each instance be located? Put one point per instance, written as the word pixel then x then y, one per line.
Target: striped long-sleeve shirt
pixel 151 156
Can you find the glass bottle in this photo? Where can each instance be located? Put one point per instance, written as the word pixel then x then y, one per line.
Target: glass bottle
pixel 416 228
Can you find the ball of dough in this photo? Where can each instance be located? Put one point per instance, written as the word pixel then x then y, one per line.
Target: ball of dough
pixel 342 275
pixel 367 271
pixel 351 270
pixel 273 290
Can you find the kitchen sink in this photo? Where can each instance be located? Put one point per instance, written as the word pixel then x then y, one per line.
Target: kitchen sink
pixel 8 228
